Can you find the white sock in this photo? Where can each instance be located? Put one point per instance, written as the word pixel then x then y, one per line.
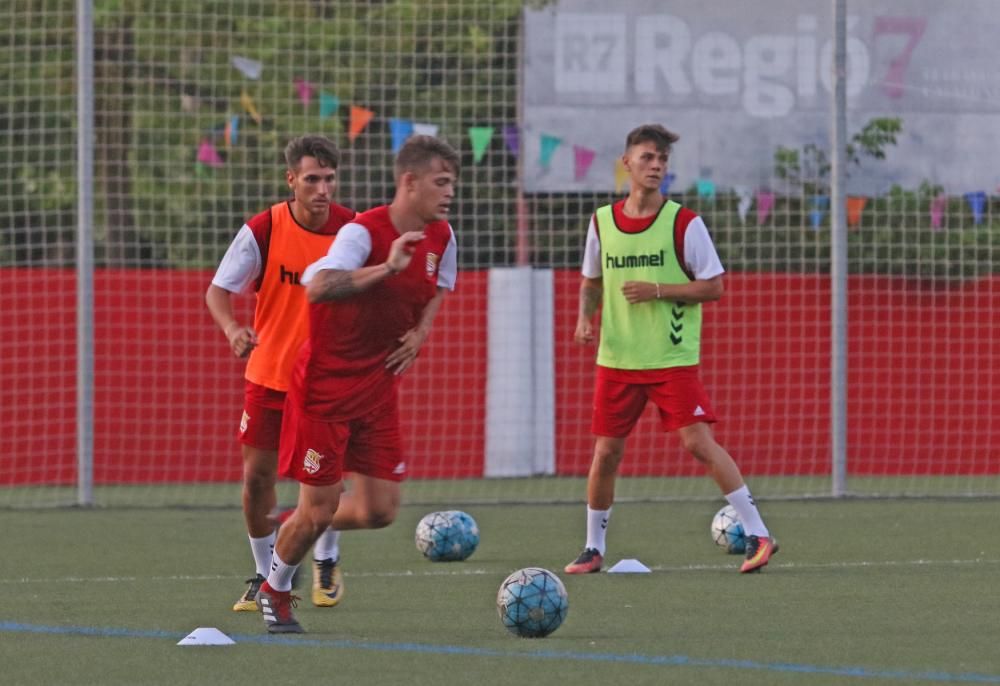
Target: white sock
pixel 262 549
pixel 280 578
pixel 597 528
pixel 746 508
pixel 327 546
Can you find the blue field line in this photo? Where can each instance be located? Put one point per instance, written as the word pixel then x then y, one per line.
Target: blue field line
pixel 431 649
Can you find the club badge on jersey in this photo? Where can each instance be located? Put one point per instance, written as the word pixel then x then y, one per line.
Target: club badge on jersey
pixel 431 266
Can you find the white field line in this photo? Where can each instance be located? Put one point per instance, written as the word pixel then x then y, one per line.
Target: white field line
pixel 873 564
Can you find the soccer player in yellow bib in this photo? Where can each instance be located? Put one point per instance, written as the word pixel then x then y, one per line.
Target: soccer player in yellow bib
pixel 649 264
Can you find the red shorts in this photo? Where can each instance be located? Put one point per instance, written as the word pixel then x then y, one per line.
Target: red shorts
pixel 260 426
pixel 676 392
pixel 318 452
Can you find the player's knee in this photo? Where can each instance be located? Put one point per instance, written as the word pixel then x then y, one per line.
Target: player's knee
pixel 697 448
pixel 380 517
pixel 704 449
pixel 259 470
pixel 606 460
pixel 258 481
pixel 318 519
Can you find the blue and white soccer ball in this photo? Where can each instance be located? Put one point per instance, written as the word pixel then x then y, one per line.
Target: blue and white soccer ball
pixel 532 602
pixel 727 531
pixel 447 536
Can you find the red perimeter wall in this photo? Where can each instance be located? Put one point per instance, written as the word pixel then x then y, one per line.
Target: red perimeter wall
pixel 924 374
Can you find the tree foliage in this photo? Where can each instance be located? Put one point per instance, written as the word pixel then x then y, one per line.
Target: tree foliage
pixel 164 81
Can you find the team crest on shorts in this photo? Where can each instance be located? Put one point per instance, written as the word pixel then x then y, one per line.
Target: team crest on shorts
pixel 311 462
pixel 431 265
pixel 244 421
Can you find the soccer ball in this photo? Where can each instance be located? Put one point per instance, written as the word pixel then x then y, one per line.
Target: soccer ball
pixel 532 602
pixel 727 531
pixel 447 536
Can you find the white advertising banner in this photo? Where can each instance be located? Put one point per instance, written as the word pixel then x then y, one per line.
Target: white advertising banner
pixel 738 80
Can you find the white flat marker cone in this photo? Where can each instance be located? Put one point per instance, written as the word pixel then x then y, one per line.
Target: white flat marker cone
pixel 629 566
pixel 206 636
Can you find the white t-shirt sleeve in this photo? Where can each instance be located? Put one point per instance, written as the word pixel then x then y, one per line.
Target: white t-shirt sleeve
pixel 592 253
pixel 448 271
pixel 700 255
pixel 241 265
pixel 349 251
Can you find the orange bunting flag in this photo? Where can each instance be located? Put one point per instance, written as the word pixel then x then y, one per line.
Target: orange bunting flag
pixel 247 103
pixel 855 206
pixel 359 120
pixel 621 175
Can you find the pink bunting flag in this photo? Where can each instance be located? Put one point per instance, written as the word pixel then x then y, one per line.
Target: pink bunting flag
pixel 305 90
pixel 937 211
pixel 765 201
pixel 207 154
pixel 583 157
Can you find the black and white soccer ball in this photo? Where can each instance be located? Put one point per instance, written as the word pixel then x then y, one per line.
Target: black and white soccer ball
pixel 727 531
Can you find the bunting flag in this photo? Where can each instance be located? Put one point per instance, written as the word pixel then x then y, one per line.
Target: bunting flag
pixel 360 116
pixel 425 129
pixel 706 189
pixel 855 206
pixel 621 175
pixel 305 91
pixel 977 203
pixel 582 159
pixel 512 137
pixel 937 211
pixel 480 137
pixel 745 201
pixel 400 130
pixel 208 155
pixel 248 67
pixel 247 103
pixel 232 131
pixel 668 180
pixel 765 201
pixel 548 147
pixel 328 104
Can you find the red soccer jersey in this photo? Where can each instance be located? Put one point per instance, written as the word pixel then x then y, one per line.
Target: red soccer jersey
pixel 341 371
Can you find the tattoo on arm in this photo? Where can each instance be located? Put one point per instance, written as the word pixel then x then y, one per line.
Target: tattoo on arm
pixel 590 299
pixel 332 284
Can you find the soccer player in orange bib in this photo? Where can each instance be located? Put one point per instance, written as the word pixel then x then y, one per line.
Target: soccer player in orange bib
pixel 649 264
pixel 269 254
pixel 373 299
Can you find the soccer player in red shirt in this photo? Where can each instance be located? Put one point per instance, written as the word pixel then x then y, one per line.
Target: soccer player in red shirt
pixel 269 254
pixel 373 299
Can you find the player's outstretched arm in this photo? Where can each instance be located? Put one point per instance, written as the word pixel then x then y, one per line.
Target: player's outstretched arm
pixel 337 284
